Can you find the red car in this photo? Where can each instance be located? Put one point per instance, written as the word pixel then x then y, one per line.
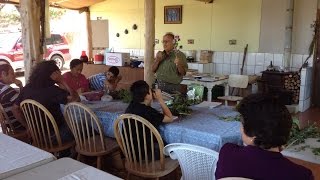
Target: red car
pixel 11 50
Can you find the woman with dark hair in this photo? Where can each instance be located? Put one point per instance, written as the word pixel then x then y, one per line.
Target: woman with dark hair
pixel 265 128
pixel 76 81
pixel 46 86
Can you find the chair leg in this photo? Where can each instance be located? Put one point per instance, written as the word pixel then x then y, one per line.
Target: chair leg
pixel 98 162
pixel 226 102
pixel 79 157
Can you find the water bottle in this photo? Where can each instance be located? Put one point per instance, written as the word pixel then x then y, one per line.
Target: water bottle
pixel 84 58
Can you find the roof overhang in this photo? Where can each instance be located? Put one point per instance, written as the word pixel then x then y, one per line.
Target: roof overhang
pixel 69 4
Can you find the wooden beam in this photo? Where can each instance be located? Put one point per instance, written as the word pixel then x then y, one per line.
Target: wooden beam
pixel 30 21
pixel 89 33
pixel 149 14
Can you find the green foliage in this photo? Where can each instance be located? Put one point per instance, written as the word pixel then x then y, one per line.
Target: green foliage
pixel 57 13
pixel 13 17
pixel 231 118
pixel 123 95
pixel 298 135
pixel 180 106
pixel 316 151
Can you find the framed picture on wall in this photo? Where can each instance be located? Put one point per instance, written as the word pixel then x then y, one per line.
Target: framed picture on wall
pixel 173 14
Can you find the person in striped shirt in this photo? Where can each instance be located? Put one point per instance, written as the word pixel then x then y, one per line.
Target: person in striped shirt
pixel 8 95
pixel 105 81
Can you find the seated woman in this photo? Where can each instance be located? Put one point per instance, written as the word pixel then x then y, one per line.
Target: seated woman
pixel 75 80
pixel 43 89
pixel 105 81
pixel 8 95
pixel 265 128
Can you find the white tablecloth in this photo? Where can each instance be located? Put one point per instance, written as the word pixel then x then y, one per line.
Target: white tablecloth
pixel 304 151
pixel 17 156
pixel 64 169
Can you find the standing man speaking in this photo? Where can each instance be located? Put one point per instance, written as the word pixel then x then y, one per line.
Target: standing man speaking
pixel 170 65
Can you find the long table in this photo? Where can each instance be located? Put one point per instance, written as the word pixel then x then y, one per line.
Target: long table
pixel 204 127
pixel 63 169
pixel 17 156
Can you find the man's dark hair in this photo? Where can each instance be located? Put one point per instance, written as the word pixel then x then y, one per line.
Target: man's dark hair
pixel 170 35
pixel 5 68
pixel 139 90
pixel 75 62
pixel 40 76
pixel 114 70
pixel 266 119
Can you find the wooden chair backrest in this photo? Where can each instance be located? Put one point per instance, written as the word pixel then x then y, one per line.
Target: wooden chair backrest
pixel 41 124
pixel 238 81
pixel 84 125
pixel 124 138
pixel 6 126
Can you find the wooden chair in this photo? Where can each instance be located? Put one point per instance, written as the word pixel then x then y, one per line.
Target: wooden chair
pixel 10 130
pixel 139 163
pixel 88 132
pixel 235 81
pixel 43 127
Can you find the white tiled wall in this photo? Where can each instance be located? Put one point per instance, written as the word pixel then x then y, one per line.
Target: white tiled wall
pixel 305 89
pixel 231 63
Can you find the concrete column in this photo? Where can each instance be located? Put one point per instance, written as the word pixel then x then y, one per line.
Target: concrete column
pixel 149 14
pixel 288 34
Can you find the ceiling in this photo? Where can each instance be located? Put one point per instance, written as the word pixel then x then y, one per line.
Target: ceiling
pixel 69 4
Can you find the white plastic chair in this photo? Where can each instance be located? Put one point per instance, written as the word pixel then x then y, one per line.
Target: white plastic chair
pixel 196 162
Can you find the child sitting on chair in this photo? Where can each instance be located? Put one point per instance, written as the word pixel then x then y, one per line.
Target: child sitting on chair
pixel 142 97
pixel 105 81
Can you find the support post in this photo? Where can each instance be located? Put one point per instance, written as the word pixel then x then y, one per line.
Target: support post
pixel 30 12
pixel 149 14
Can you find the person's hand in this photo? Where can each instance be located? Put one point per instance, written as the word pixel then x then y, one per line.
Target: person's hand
pixel 177 61
pixel 80 90
pixel 119 77
pixel 159 56
pixel 157 95
pixel 18 83
pixel 57 77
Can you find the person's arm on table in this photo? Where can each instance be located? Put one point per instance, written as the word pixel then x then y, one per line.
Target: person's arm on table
pixel 166 111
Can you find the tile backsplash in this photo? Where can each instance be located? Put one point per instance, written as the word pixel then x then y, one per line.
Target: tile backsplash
pixel 231 62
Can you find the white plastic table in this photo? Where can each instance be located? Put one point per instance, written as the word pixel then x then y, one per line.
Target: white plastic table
pixel 17 156
pixel 64 169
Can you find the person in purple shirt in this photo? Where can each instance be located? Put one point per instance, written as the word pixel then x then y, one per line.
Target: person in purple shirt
pixel 265 128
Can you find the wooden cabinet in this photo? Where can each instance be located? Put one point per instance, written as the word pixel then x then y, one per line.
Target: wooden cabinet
pixel 129 75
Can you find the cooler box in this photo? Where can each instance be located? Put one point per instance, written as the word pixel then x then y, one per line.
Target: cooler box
pixel 117 59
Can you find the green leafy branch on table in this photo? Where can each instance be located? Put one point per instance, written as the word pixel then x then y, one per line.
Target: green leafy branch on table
pixel 180 106
pixel 123 95
pixel 298 135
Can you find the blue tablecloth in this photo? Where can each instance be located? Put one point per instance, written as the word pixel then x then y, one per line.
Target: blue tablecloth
pixel 204 127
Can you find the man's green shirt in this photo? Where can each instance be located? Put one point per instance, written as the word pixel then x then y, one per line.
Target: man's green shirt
pixel 168 71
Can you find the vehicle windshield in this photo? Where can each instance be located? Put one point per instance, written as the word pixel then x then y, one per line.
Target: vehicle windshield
pixel 8 40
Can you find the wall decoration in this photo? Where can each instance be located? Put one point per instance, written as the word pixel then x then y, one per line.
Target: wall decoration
pixel 126 31
pixel 134 27
pixel 173 14
pixel 117 34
